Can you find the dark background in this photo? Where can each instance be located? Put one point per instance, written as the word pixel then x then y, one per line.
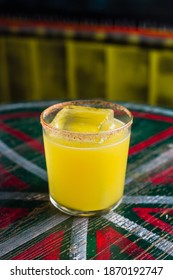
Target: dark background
pixel 134 11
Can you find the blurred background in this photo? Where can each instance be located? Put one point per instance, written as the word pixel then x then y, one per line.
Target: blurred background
pixel 120 50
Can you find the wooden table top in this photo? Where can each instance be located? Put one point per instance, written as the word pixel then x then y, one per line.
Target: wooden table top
pixel 31 228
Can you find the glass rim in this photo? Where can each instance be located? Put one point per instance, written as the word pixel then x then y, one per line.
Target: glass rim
pixel 86 102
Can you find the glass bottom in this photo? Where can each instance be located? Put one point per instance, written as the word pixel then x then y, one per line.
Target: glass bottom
pixel 74 212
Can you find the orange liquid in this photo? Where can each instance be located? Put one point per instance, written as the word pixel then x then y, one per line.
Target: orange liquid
pixel 86 179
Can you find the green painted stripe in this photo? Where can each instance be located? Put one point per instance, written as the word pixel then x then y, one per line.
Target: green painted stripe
pixel 21 161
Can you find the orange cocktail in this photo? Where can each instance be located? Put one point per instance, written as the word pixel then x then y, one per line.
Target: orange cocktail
pixel 86 170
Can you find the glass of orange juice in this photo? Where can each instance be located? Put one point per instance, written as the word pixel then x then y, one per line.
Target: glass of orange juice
pixel 86 148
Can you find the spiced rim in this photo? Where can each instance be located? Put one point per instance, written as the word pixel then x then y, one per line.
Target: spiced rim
pixel 86 102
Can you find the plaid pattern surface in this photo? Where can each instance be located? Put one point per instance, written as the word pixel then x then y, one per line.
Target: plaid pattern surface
pixel 31 228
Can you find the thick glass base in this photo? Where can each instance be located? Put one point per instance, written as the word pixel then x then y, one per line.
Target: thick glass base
pixel 74 212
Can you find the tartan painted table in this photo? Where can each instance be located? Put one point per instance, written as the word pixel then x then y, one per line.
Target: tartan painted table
pixel 31 228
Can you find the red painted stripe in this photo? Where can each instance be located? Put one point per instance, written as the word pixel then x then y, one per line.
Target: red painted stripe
pixel 87 27
pixel 10 215
pixel 151 116
pixel 33 143
pixel 108 236
pixel 19 115
pixel 8 180
pixel 147 215
pixel 151 141
pixel 165 176
pixel 47 249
